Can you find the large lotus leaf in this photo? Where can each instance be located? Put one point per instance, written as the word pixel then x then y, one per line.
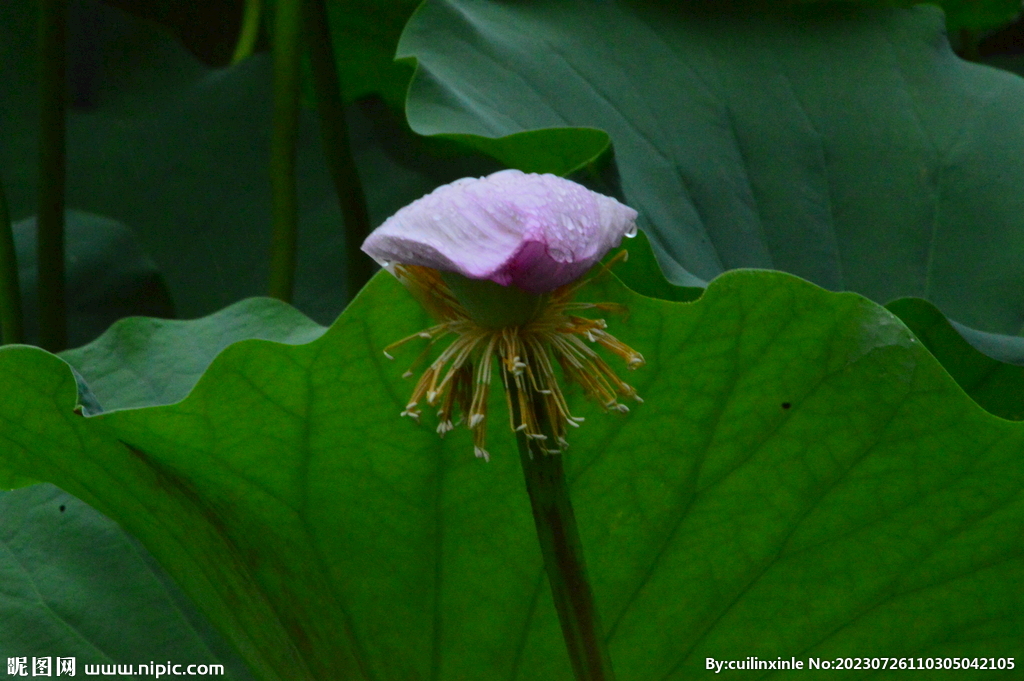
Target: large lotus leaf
pixel 803 479
pixel 75 585
pixel 846 145
pixel 989 367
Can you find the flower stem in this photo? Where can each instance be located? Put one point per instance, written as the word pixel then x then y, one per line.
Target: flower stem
pixel 284 196
pixel 562 550
pixel 11 324
pixel 50 217
pixel 337 150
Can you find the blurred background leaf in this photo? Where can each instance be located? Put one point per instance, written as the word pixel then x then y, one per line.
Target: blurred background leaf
pixel 889 167
pixel 108 276
pixel 177 151
pixel 993 378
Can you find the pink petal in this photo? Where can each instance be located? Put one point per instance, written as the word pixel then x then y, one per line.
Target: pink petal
pixel 536 232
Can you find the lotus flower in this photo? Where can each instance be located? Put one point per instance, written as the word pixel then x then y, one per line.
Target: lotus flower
pixel 536 232
pixel 496 261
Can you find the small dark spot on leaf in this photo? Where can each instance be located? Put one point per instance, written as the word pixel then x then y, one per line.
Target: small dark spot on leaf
pixel 786 405
pixel 62 508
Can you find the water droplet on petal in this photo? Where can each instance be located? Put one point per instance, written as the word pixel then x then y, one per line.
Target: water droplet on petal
pixel 631 232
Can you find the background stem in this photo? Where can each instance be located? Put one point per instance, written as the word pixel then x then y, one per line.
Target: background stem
pixel 337 150
pixel 11 323
pixel 50 213
pixel 284 197
pixel 249 31
pixel 564 562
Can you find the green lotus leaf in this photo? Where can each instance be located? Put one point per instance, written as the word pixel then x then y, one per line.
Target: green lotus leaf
pixel 803 479
pixel 847 145
pixel 142 362
pixel 69 574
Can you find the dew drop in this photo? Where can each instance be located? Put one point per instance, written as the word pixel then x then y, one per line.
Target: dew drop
pixel 631 232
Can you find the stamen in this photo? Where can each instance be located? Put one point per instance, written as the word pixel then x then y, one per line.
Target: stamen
pixel 462 372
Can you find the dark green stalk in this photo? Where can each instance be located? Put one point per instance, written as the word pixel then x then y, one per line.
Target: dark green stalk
pixel 560 545
pixel 11 324
pixel 284 196
pixel 248 31
pixel 50 214
pixel 337 150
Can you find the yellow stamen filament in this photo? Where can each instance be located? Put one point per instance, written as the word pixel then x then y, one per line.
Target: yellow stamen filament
pixel 461 374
